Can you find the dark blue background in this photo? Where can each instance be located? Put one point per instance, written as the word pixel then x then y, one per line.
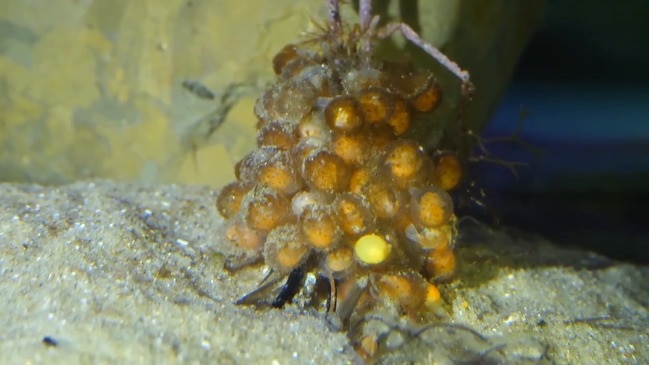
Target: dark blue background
pixel 584 85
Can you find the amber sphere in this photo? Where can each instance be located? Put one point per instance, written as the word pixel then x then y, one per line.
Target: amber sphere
pixel 284 248
pixel 283 57
pixel 406 163
pixel 428 99
pixel 277 133
pixel 343 114
pixel 353 149
pixel 448 173
pixel 319 226
pixel 400 118
pixel 440 264
pixel 280 173
pixel 354 214
pixel 241 235
pixel 375 105
pixel 229 200
pixel 266 208
pixel 326 171
pixel 432 206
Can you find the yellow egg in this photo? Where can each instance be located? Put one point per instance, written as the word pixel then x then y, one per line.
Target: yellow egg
pixel 372 249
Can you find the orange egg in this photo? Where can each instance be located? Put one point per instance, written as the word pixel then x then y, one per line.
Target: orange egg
pixel 400 118
pixel 440 237
pixel 408 290
pixel 385 201
pixel 339 260
pixel 326 171
pixel 379 136
pixel 375 105
pixel 440 264
pixel 351 148
pixel 448 171
pixel 360 180
pixel 428 99
pixel 283 57
pixel 279 172
pixel 241 235
pixel 433 296
pixel 319 226
pixel 289 257
pixel 304 148
pixel 432 206
pixel 354 214
pixel 284 248
pixel 266 209
pixel 406 163
pixel 229 200
pixel 343 114
pixel 280 134
pixel 247 169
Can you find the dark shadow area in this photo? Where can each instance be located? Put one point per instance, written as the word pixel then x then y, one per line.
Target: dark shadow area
pixel 584 85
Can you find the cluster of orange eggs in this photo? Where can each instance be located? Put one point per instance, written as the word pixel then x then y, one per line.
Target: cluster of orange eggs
pixel 335 180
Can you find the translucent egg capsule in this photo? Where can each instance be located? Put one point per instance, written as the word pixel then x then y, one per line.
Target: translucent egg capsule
pixel 284 248
pixel 278 133
pixel 448 173
pixel 360 180
pixel 326 171
pixel 264 208
pixel 247 169
pixel 386 201
pixel 406 82
pixel 314 127
pixel 375 105
pixel 240 234
pixel 440 237
pixel 304 148
pixel 352 148
pixel 379 136
pixel 354 214
pixel 408 290
pixel 400 118
pixel 357 81
pixel 440 264
pixel 432 206
pixel 280 173
pixel 297 68
pixel 406 163
pixel 305 198
pixel 228 202
pixel 319 226
pixel 285 56
pixel 428 99
pixel 289 100
pixel 343 114
pixel 339 261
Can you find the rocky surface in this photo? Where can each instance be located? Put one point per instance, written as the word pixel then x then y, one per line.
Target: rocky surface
pixel 126 273
pixel 132 90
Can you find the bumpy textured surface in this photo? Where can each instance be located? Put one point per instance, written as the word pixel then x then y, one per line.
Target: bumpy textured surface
pixel 337 185
pixel 132 273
